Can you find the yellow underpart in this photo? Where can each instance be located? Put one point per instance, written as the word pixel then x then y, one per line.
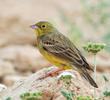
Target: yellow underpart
pixel 38 31
pixel 54 60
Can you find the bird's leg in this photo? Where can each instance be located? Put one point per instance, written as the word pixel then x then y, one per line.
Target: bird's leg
pixel 52 73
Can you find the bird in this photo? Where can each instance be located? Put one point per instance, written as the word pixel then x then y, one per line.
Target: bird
pixel 60 51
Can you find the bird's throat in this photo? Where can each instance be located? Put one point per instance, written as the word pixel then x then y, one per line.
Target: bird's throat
pixel 38 32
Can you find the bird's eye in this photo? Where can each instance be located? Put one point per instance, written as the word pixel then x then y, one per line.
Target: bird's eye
pixel 43 26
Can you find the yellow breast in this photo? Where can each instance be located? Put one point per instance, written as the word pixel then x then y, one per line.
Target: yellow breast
pixel 54 60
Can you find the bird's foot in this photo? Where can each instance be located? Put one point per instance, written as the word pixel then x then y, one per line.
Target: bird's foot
pixel 54 72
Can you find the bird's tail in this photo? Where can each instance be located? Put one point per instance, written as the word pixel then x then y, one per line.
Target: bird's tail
pixel 86 75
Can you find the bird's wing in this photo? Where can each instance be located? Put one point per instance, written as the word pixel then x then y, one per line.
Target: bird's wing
pixel 61 47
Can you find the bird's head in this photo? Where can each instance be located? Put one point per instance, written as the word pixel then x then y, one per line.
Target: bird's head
pixel 43 27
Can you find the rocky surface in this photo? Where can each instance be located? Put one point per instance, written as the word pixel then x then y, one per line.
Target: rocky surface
pixel 19 61
pixel 50 86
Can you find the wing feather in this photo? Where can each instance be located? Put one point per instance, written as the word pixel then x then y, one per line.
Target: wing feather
pixel 62 47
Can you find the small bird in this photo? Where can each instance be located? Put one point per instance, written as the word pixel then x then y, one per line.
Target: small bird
pixel 60 51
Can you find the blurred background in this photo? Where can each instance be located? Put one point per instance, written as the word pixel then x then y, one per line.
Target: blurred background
pixel 80 20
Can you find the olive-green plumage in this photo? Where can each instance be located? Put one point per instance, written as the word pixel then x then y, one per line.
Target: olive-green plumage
pixel 60 51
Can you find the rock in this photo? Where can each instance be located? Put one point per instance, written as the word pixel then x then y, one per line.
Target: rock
pixel 23 58
pixel 14 30
pixel 50 86
pixel 19 61
pixel 6 68
pixel 9 80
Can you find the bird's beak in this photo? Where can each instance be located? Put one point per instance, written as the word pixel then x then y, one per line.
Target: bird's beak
pixel 34 26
